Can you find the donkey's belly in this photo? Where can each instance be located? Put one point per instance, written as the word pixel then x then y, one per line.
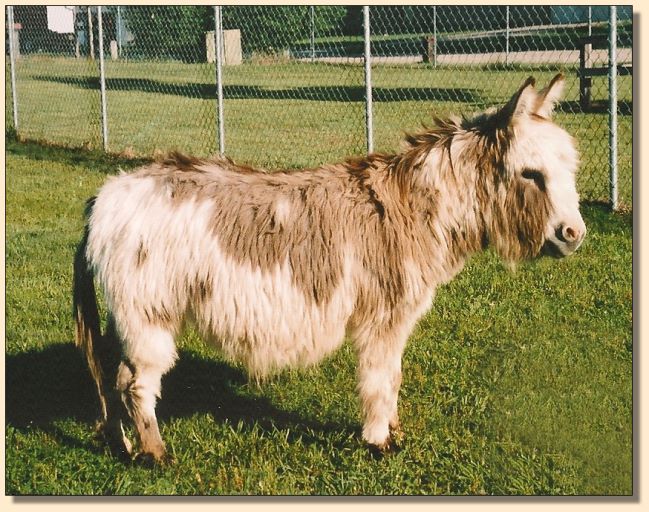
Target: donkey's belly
pixel 263 320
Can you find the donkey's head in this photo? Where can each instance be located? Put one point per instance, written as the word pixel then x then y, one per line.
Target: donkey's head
pixel 534 203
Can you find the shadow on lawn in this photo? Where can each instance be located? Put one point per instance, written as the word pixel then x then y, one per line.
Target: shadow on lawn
pixel 342 93
pixel 97 160
pixel 314 93
pixel 54 383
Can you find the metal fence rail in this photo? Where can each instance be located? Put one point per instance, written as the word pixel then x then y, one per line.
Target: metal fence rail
pixel 292 86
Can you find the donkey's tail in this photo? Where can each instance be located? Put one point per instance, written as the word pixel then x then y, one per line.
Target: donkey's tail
pixel 86 315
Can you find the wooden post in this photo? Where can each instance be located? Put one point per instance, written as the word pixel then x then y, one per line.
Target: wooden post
pixel 430 50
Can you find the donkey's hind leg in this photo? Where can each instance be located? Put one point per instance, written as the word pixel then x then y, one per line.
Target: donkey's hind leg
pixel 139 378
pixel 113 411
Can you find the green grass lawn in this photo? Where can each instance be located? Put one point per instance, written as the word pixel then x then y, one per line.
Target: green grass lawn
pixel 292 114
pixel 514 383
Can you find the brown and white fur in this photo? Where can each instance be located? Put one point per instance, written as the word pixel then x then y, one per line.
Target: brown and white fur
pixel 275 269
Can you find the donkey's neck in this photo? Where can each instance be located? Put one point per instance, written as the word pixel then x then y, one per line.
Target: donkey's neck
pixel 448 186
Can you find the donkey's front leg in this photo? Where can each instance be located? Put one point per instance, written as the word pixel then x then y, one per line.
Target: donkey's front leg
pixel 379 380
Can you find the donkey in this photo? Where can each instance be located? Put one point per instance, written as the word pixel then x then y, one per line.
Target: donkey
pixel 275 269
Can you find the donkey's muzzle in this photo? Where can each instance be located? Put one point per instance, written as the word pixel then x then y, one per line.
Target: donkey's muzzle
pixel 565 240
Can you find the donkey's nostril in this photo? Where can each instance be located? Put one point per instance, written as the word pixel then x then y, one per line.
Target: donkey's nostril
pixel 570 234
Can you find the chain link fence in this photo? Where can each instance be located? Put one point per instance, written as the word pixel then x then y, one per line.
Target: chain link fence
pixel 293 78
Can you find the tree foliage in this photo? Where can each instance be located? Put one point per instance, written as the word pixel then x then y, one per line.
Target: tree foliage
pixel 271 28
pixel 178 32
pixel 171 32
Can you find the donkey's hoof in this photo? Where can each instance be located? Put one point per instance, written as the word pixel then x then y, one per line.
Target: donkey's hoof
pixel 118 445
pixel 150 460
pixel 379 451
pixel 120 450
pixel 168 460
pixel 376 452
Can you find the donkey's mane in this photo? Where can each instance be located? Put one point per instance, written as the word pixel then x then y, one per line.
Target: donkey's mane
pixel 427 138
pixel 183 162
pixel 418 145
pixel 421 141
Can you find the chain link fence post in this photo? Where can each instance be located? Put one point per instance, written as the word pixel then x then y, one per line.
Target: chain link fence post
pixel 91 34
pixel 434 36
pixel 119 32
pixel 312 26
pixel 507 36
pixel 102 80
pixel 218 41
pixel 369 126
pixel 12 63
pixel 612 88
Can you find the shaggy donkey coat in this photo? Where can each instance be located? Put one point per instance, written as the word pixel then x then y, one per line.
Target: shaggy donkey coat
pixel 275 269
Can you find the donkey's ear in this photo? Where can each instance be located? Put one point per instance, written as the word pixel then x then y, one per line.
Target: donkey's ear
pixel 549 96
pixel 521 104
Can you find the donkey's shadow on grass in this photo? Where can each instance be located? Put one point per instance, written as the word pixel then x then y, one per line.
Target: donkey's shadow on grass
pixel 54 384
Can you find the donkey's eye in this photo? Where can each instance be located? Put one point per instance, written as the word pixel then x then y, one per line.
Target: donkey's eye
pixel 535 176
